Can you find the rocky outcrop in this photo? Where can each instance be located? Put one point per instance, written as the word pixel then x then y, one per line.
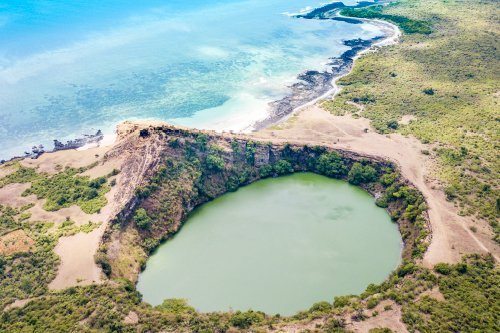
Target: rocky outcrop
pixel 79 142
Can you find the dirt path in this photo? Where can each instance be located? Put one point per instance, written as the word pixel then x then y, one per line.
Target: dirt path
pixel 451 236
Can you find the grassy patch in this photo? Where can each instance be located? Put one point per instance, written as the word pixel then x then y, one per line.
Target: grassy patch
pixel 63 189
pixel 471 293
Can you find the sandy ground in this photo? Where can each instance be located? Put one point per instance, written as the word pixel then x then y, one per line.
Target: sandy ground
pixel 77 259
pixel 451 236
pixel 19 303
pixel 385 319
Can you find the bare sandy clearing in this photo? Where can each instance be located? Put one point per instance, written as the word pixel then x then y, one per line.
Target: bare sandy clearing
pixel 406 119
pixel 6 169
pixel 77 259
pixel 52 162
pixel 19 303
pixel 134 158
pixel 385 319
pixel 11 195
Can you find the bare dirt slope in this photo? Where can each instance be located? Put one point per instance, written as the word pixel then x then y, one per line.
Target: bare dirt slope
pixel 133 157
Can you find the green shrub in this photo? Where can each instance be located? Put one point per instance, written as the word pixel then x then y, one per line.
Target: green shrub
pixel 201 141
pixel 246 319
pixel 215 163
pixel 442 268
pixel 388 178
pixel 177 306
pixel 174 143
pixel 380 330
pixel 321 307
pixel 428 91
pixel 393 124
pixel 372 302
pixel 360 174
pixel 283 167
pixel 266 171
pixel 250 150
pixel 141 218
pixel 406 269
pixel 341 301
pixel 331 165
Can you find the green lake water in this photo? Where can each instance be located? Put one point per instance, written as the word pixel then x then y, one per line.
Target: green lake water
pixel 278 245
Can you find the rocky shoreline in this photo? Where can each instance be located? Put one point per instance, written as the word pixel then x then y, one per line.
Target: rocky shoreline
pixel 37 151
pixel 312 85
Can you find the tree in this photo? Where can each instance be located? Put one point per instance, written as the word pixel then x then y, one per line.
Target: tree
pixel 392 124
pixel 215 163
pixel 266 171
pixel 331 165
pixel 246 319
pixel 142 219
pixel 177 306
pixel 283 167
pixel 360 173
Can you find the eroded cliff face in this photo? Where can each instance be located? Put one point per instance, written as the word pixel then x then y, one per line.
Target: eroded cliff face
pixel 174 170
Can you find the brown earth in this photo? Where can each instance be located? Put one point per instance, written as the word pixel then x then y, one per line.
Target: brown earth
pixel 14 242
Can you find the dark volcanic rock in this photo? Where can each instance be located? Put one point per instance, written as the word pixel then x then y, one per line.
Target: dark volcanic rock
pixel 79 142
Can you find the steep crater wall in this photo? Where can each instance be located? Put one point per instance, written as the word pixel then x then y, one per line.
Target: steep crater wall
pixel 193 167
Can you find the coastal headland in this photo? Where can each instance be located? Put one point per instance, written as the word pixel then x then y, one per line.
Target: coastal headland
pixel 83 251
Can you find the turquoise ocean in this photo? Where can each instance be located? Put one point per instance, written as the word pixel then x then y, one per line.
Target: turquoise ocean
pixel 68 68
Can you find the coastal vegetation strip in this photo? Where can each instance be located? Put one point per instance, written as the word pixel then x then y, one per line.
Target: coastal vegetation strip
pixel 448 81
pixel 407 25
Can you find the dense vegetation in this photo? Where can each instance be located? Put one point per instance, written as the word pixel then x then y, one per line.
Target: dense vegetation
pixel 407 25
pixel 470 290
pixel 471 302
pixel 448 80
pixel 63 189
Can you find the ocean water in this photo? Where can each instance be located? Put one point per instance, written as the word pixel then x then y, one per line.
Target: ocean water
pixel 72 67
